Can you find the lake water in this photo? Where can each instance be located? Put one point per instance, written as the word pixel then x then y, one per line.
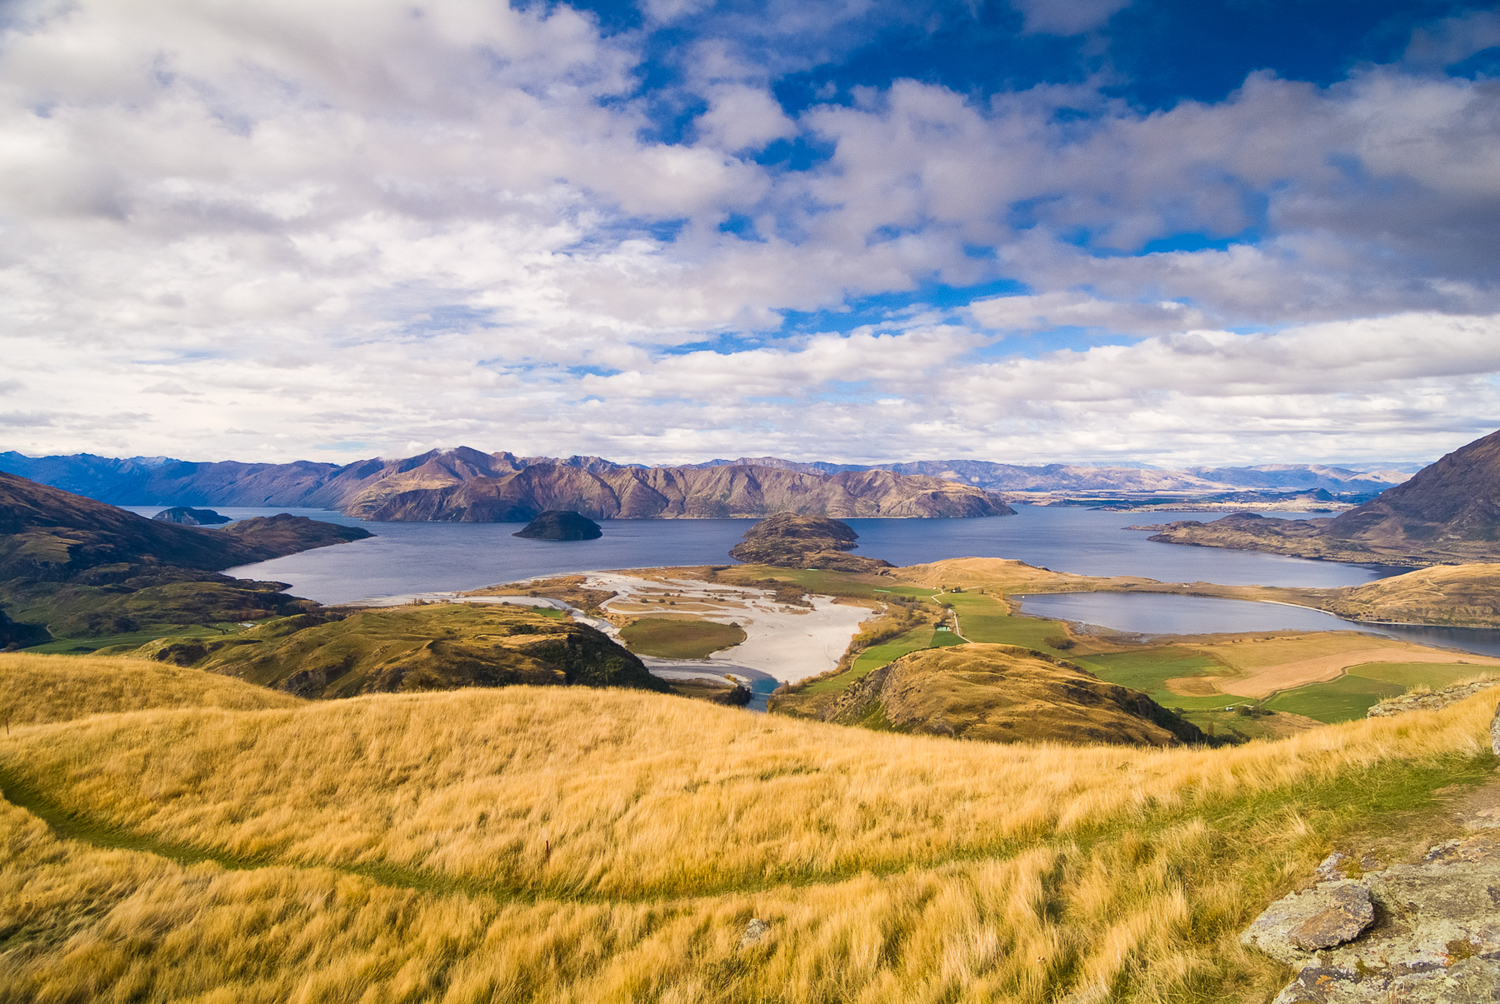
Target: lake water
pixel 409 558
pixel 1153 614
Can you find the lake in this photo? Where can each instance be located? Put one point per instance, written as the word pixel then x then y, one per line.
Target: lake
pixel 1156 614
pixel 407 558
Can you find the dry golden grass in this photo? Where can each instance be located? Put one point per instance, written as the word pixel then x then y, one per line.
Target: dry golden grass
pixel 537 844
pixel 54 688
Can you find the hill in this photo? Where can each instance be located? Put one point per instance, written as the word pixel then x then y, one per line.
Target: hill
pixel 789 541
pixel 1451 595
pixel 37 689
pixel 1001 693
pixel 565 844
pixel 86 569
pixel 407 649
pixel 1447 512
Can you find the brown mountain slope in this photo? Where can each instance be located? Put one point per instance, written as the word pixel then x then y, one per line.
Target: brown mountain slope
pixel 86 569
pixel 1000 693
pixel 48 533
pixel 1448 512
pixel 670 492
pixel 465 485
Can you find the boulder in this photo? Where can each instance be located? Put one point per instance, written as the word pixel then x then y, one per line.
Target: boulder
pixel 560 524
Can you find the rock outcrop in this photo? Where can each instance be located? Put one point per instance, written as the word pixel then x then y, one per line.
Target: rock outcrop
pixel 1437 938
pixel 790 541
pixel 187 516
pixel 1419 933
pixel 557 524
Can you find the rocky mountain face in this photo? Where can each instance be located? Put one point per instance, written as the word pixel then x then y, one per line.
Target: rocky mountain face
pixel 464 485
pixel 1447 512
pixel 999 477
pixel 625 491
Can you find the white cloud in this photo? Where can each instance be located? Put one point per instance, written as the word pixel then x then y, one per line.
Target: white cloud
pixel 1064 309
pixel 1067 17
pixel 368 222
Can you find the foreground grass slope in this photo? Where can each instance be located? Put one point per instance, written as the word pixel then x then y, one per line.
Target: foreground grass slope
pixel 557 844
pixel 35 689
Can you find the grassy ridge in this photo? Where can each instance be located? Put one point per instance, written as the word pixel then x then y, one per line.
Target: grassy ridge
pixel 36 689
pixel 561 845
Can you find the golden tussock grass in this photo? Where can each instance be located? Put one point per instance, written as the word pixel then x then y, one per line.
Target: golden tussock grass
pixel 545 844
pixel 54 688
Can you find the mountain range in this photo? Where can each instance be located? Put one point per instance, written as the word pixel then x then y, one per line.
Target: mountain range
pixel 466 485
pixel 1447 512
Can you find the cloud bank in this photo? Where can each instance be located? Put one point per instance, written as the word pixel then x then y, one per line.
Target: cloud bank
pixel 342 229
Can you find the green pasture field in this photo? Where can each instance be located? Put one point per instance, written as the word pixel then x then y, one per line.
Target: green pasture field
pixel 986 618
pixel 679 637
pixel 1148 670
pixel 1358 690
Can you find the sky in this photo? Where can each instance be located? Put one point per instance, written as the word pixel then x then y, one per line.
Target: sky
pixel 1163 231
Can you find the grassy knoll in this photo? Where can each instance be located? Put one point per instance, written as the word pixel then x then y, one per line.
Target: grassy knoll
pixel 1005 694
pixel 679 637
pixel 35 689
pixel 558 844
pixel 419 647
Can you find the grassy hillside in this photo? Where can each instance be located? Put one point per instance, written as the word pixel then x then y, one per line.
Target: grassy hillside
pixel 1457 595
pixel 557 844
pixel 415 648
pixel 35 689
pixel 1001 693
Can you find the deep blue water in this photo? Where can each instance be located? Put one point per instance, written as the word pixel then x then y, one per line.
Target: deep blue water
pixel 430 557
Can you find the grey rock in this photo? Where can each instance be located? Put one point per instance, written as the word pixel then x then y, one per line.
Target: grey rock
pixel 755 932
pixel 1437 938
pixel 1328 914
pixel 1495 731
pixel 1347 913
pixel 1431 700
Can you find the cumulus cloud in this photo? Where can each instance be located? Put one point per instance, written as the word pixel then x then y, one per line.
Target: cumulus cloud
pixel 1067 17
pixel 1071 309
pixel 380 223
